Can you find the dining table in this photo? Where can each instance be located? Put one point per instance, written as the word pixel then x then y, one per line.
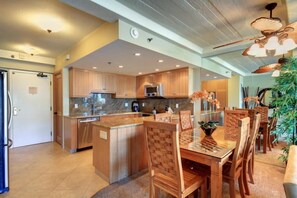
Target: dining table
pixel 213 151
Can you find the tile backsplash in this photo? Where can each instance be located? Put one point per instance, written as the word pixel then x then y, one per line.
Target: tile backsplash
pixel 105 103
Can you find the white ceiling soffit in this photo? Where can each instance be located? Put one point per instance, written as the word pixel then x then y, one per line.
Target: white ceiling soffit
pixel 204 24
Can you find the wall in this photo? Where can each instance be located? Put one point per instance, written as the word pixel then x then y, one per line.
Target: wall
pixel 255 81
pixel 26 66
pixel 234 91
pixel 105 34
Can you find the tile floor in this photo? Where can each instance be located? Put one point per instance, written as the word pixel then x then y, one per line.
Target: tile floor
pixel 46 170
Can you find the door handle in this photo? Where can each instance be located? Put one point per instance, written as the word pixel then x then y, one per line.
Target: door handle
pixel 15 111
pixel 9 144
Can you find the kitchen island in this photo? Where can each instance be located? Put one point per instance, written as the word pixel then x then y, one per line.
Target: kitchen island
pixel 119 148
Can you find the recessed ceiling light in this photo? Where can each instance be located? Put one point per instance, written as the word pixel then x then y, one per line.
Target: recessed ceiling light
pixel 121 66
pixel 214 77
pixel 207 75
pixel 156 69
pixel 160 61
pixel 139 73
pixel 137 54
pixel 94 67
pixel 177 65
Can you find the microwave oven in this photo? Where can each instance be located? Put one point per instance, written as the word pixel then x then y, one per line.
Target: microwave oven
pixel 153 90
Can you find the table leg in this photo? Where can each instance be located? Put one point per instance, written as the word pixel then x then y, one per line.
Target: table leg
pixel 216 179
pixel 265 137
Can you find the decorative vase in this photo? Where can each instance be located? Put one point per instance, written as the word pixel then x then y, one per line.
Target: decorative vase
pixel 208 130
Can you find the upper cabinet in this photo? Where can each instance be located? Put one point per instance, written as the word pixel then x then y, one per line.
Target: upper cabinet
pixel 78 82
pixel 125 86
pixel 175 83
pixel 83 82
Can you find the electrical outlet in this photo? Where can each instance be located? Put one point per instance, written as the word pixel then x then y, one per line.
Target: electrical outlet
pixel 103 135
pixel 176 105
pixel 126 104
pixel 75 106
pixel 143 104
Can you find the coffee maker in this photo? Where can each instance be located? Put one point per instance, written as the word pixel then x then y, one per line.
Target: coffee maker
pixel 135 106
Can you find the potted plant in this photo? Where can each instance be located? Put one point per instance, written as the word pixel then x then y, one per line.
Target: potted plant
pixel 208 127
pixel 286 105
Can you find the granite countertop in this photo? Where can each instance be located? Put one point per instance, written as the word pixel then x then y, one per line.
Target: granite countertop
pixel 126 122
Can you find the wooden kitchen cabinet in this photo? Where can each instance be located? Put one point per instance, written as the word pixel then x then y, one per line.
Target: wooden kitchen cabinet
pixel 175 83
pixel 102 82
pixel 79 83
pixel 125 86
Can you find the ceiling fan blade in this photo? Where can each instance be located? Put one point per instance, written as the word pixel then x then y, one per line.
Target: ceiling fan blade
pixel 292 25
pixel 267 68
pixel 240 41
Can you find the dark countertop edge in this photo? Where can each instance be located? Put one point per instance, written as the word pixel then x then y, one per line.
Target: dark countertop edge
pixel 99 115
pixel 210 112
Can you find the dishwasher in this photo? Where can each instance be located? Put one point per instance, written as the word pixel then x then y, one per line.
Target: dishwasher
pixel 84 132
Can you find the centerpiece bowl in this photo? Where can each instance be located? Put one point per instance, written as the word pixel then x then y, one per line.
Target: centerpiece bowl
pixel 208 127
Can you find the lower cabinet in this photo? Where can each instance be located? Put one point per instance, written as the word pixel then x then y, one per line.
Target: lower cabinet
pixel 119 152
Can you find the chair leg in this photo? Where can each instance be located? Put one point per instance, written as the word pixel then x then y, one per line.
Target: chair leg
pixel 152 189
pixel 241 189
pixel 259 143
pixel 253 160
pixel 250 171
pixel 244 172
pixel 232 189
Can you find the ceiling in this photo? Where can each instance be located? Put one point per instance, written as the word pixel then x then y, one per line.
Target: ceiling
pixel 201 25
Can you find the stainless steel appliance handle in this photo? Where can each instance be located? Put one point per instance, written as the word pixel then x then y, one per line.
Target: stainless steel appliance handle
pixel 9 109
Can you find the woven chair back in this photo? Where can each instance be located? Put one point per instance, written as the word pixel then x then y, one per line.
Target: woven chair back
pixel 251 114
pixel 185 120
pixel 264 113
pixel 231 117
pixel 238 154
pixel 163 149
pixel 163 117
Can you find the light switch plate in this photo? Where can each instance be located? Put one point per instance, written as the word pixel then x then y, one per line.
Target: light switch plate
pixel 75 106
pixel 103 135
pixel 126 104
pixel 176 105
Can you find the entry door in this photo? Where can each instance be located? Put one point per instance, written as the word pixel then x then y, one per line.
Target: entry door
pixel 31 101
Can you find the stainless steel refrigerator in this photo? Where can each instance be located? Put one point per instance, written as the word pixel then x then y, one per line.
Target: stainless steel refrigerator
pixel 5 142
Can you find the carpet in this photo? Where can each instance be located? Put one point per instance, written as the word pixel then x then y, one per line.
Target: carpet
pixel 268 177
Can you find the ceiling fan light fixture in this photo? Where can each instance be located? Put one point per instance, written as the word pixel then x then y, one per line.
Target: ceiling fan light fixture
pixel 261 52
pixel 272 43
pixel 253 49
pixel 280 51
pixel 289 44
pixel 276 73
pixel 267 24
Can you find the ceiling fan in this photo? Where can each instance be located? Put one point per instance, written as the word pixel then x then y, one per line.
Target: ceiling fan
pixel 275 39
pixel 271 67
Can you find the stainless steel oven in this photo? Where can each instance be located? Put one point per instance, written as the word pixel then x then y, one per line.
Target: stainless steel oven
pixel 84 132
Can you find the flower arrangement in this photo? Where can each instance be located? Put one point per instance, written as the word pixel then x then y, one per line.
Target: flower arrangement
pixel 252 101
pixel 208 96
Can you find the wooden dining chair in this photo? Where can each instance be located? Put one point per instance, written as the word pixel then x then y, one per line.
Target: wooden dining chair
pixel 263 125
pixel 163 117
pixel 251 114
pixel 233 170
pixel 231 118
pixel 248 160
pixel 270 138
pixel 185 120
pixel 165 169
